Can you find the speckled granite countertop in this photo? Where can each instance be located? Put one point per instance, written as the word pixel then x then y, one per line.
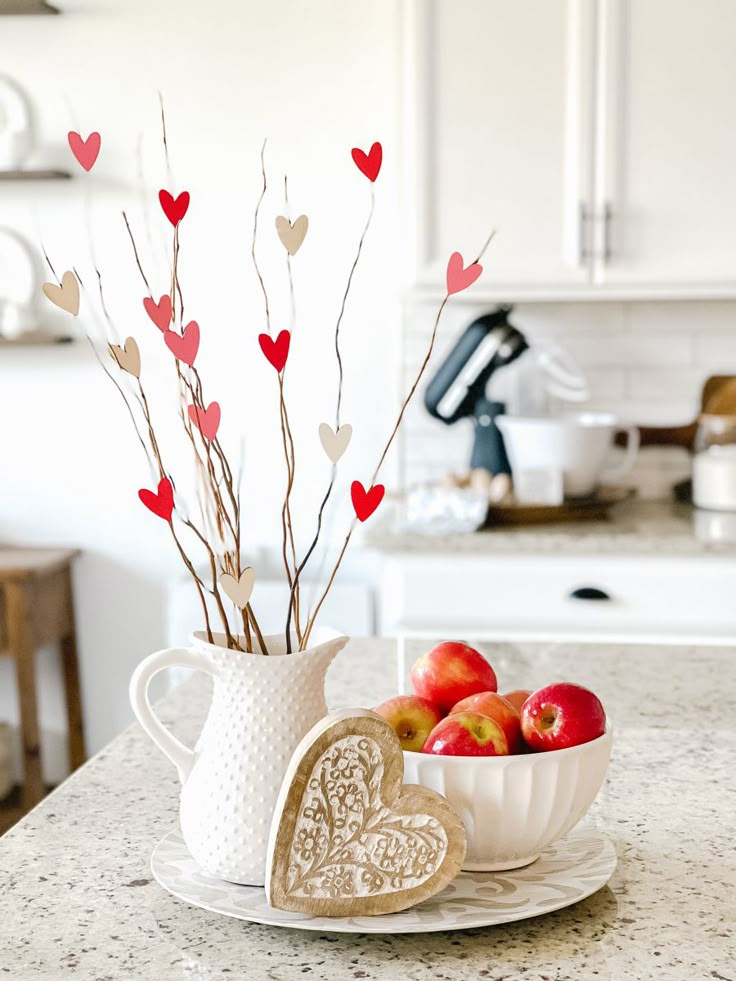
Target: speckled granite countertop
pixel 633 528
pixel 77 898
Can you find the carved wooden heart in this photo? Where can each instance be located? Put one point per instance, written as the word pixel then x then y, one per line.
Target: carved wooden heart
pixel 347 839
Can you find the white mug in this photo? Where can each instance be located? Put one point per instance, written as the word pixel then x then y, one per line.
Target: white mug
pixel 577 444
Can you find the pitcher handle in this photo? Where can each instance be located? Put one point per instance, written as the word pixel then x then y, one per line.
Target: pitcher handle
pixel 173 657
pixel 614 474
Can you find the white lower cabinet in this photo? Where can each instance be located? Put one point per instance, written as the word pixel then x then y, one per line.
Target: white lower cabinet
pixel 634 599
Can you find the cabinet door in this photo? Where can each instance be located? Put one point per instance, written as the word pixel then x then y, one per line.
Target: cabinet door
pixel 666 161
pixel 499 135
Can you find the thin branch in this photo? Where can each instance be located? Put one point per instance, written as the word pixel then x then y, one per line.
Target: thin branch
pixel 135 253
pixel 197 581
pixel 163 135
pixel 287 441
pixel 342 308
pixel 315 540
pixel 48 263
pixel 386 448
pixel 255 235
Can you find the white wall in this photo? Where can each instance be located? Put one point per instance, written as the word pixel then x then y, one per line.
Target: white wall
pixel 315 78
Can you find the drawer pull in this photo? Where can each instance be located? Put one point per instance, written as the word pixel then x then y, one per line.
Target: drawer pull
pixel 589 593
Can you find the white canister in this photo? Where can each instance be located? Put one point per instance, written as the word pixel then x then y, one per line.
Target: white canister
pixel 714 478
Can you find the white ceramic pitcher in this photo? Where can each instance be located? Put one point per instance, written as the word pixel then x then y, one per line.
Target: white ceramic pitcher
pixel 261 708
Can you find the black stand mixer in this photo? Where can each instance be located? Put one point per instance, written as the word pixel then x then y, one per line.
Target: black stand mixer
pixel 458 389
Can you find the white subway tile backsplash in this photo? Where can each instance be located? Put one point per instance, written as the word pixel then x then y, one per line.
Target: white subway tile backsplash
pixel 687 316
pixel 677 385
pixel 625 349
pixel 650 412
pixel 545 319
pixel 716 349
pixel 606 383
pixel 646 362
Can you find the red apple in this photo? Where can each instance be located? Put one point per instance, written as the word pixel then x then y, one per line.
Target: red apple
pixel 517 697
pixel 451 671
pixel 560 716
pixel 412 719
pixel 495 707
pixel 467 734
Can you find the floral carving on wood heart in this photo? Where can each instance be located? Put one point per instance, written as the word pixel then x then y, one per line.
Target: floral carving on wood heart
pixel 347 838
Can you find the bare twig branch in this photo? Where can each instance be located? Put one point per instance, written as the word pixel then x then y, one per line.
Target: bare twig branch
pixel 407 400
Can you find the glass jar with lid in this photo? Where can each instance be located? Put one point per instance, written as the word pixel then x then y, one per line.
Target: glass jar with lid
pixel 714 463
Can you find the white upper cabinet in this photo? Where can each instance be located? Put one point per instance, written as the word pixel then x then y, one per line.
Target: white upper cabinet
pixel 666 161
pixel 594 135
pixel 500 93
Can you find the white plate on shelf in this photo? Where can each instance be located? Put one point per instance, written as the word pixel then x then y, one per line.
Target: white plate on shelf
pixel 573 868
pixel 18 279
pixel 16 137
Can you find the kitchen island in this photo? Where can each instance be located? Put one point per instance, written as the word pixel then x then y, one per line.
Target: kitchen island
pixel 78 900
pixel 653 572
pixel 634 527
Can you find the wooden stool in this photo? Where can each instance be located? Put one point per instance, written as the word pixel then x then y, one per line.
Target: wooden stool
pixel 37 609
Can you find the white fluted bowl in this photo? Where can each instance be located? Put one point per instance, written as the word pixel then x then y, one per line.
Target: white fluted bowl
pixel 514 806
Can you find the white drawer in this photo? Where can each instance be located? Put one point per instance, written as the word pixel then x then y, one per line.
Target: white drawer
pixel 688 600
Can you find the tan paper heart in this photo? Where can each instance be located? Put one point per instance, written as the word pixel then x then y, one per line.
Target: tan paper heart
pixel 347 839
pixel 65 296
pixel 335 443
pixel 239 590
pixel 128 356
pixel 292 236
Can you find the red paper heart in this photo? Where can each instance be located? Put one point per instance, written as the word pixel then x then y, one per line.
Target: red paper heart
pixel 160 313
pixel 184 346
pixel 85 151
pixel 368 163
pixel 276 351
pixel 174 208
pixel 161 503
pixel 365 502
pixel 458 278
pixel 206 420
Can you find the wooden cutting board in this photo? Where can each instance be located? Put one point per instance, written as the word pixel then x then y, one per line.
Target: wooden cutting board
pixel 718 398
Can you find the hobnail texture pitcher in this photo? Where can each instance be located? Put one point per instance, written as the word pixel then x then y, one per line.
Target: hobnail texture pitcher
pixel 262 706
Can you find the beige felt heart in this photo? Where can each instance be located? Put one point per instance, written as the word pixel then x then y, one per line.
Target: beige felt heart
pixel 65 296
pixel 292 236
pixel 347 839
pixel 239 590
pixel 335 443
pixel 128 356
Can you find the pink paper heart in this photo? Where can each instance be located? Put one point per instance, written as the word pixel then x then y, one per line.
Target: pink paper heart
pixel 160 313
pixel 184 346
pixel 459 279
pixel 206 420
pixel 85 151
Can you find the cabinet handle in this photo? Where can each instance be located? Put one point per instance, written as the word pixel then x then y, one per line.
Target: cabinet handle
pixel 583 218
pixel 589 593
pixel 607 218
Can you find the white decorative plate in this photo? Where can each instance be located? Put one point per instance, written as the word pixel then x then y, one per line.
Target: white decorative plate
pixel 574 867
pixel 18 280
pixel 16 138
